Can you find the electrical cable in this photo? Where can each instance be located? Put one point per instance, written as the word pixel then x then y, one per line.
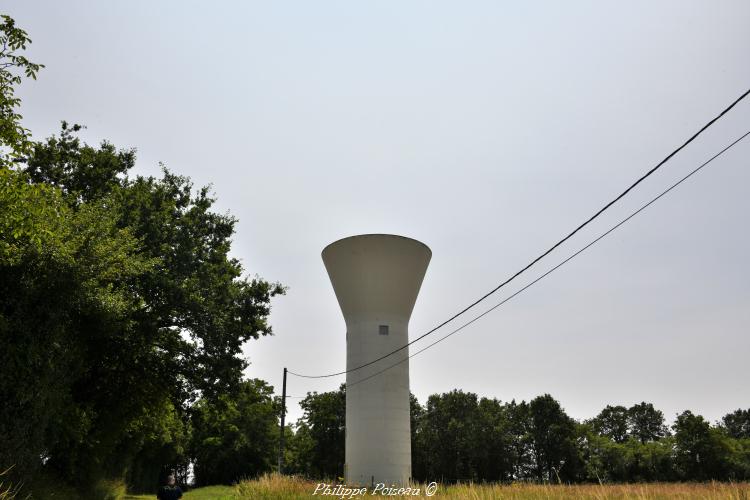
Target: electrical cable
pixel 540 257
pixel 550 271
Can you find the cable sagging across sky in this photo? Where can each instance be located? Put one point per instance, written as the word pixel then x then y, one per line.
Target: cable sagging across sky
pixel 558 266
pixel 544 254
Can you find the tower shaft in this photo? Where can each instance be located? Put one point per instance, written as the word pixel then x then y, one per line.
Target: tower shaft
pixel 376 279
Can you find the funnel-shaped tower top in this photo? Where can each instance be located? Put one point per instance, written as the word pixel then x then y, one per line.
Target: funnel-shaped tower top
pixel 376 273
pixel 377 278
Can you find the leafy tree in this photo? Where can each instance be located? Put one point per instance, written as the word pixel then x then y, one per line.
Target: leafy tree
pixel 235 436
pixel 449 436
pixel 553 435
pixel 66 278
pixel 651 461
pixel 604 459
pixel 612 422
pixel 322 428
pixel 14 138
pixel 494 442
pixel 739 458
pixel 199 310
pixel 298 449
pixel 416 416
pixel 82 172
pixel 521 448
pixel 701 452
pixel 116 286
pixel 737 424
pixel 646 423
pixel 158 443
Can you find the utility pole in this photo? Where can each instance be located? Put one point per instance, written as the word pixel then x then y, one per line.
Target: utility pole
pixel 283 414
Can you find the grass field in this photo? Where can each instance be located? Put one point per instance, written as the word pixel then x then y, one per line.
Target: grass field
pixel 207 493
pixel 274 487
pixel 277 488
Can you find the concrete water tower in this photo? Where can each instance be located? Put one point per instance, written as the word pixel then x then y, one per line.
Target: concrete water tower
pixel 376 278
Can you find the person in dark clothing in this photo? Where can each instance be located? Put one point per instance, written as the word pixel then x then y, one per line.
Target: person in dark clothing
pixel 169 491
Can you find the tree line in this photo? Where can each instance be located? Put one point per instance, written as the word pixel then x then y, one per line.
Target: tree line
pixel 457 436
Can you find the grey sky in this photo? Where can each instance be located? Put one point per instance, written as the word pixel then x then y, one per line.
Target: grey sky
pixel 485 130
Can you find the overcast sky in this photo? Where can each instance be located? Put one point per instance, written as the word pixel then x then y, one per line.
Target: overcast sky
pixel 486 130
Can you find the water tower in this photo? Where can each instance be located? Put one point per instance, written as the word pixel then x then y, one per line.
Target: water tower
pixel 376 278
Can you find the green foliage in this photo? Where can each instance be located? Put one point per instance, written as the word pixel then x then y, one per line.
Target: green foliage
pixel 646 423
pixel 157 441
pixel 320 434
pixel 59 270
pixel 459 437
pixel 14 138
pixel 701 452
pixel 607 460
pixel 115 287
pixel 82 172
pixel 553 435
pixel 612 422
pixel 316 448
pixel 121 304
pixel 235 436
pixel 449 437
pixel 418 457
pixel 30 217
pixel 737 424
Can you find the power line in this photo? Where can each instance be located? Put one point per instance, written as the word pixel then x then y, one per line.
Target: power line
pixel 550 271
pixel 540 257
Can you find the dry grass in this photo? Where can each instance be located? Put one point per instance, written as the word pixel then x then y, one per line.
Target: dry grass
pixel 8 491
pixel 275 487
pixel 653 491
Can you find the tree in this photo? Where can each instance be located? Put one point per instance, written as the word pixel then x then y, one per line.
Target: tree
pixel 645 423
pixel 449 436
pixel 323 427
pixel 67 281
pixel 553 435
pixel 737 424
pixel 199 309
pixel 416 416
pixel 298 449
pixel 139 297
pixel 158 444
pixel 494 442
pixel 612 422
pixel 604 459
pixel 14 138
pixel 235 436
pixel 82 172
pixel 521 450
pixel 701 452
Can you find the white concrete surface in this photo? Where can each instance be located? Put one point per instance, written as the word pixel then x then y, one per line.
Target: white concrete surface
pixel 376 278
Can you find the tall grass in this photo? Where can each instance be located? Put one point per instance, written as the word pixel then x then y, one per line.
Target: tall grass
pixel 651 491
pixel 7 490
pixel 50 487
pixel 276 487
pixel 108 489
